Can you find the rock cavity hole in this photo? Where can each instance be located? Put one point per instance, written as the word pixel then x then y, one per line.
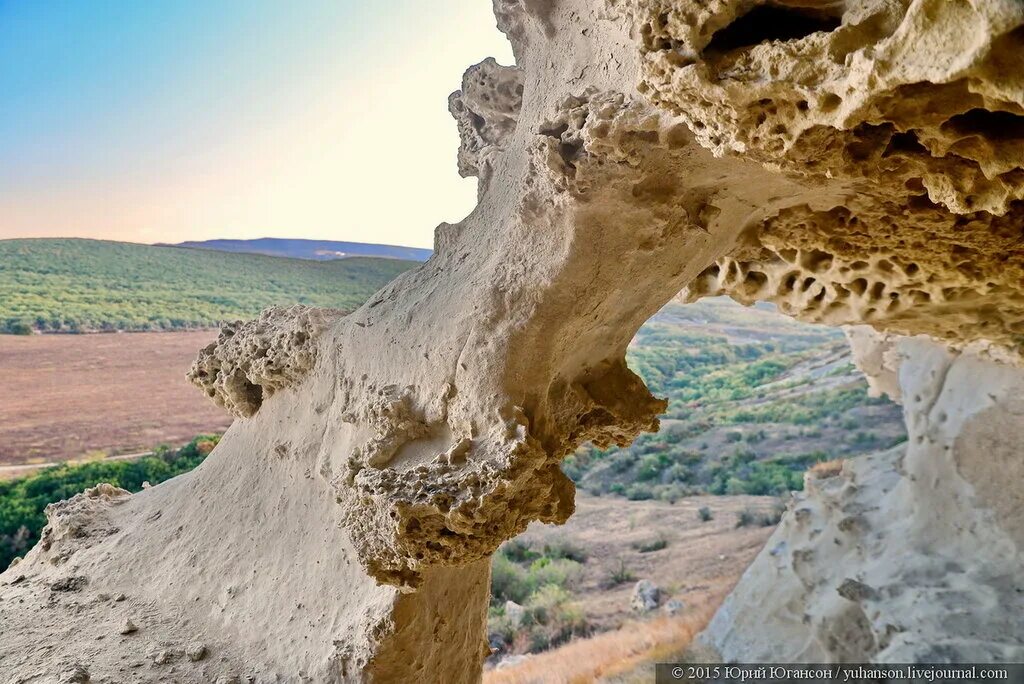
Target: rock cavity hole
pixel 767 23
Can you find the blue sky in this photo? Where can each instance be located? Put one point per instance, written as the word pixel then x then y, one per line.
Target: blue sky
pixel 166 121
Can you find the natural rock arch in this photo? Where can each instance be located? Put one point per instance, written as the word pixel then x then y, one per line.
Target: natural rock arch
pixel 864 168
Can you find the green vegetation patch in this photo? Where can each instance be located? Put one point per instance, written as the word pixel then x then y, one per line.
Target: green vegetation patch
pixel 754 401
pixel 23 501
pixel 71 285
pixel 541 583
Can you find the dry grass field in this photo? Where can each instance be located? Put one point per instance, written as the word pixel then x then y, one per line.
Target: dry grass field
pixel 624 655
pixel 69 396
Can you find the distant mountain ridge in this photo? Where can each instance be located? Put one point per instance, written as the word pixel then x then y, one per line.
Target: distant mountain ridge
pixel 77 285
pixel 316 250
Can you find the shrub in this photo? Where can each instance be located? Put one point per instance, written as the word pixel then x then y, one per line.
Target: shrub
pixel 509 581
pixel 517 570
pixel 499 625
pixel 552 604
pixel 671 494
pixel 650 468
pixel 755 437
pixel 552 617
pixel 704 513
pixel 773 517
pixel 639 492
pixel 19 328
pixel 538 640
pixel 749 516
pixel 565 548
pixel 677 473
pixel 22 501
pixel 649 545
pixel 561 572
pixel 518 551
pixel 863 438
pixel 72 285
pixel 622 461
pixel 620 574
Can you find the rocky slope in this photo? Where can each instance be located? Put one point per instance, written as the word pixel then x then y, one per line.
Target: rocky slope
pixel 908 555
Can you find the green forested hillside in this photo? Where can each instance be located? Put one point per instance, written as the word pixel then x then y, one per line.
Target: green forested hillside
pixel 82 285
pixel 754 400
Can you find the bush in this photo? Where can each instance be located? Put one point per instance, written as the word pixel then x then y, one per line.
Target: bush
pixel 749 516
pixel 517 570
pixel 518 551
pixel 639 492
pixel 565 548
pixel 755 437
pixel 677 473
pixel 704 513
pixel 500 626
pixel 561 572
pixel 620 574
pixel 509 581
pixel 671 494
pixel 22 501
pixel 650 467
pixel 649 545
pixel 19 328
pixel 68 285
pixel 703 375
pixel 622 461
pixel 555 617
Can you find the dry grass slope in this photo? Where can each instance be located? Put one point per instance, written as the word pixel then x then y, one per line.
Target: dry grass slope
pixel 624 655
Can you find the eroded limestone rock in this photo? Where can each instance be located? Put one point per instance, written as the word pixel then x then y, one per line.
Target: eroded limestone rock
pixel 911 555
pixel 486 111
pixel 916 108
pixel 645 597
pixel 250 361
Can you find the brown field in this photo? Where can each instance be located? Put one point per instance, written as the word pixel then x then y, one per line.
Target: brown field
pixel 68 396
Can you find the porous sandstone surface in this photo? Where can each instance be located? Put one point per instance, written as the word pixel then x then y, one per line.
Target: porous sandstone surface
pixel 250 361
pixel 853 161
pixel 911 555
pixel 914 107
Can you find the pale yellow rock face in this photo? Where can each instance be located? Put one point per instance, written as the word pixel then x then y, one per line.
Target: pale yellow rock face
pixel 910 555
pixel 915 108
pixel 855 162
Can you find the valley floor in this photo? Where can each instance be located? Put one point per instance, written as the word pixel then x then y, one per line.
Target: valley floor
pixel 64 396
pixel 699 563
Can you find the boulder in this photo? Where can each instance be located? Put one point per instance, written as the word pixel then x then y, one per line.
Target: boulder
pixel 645 597
pixel 515 614
pixel 674 606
